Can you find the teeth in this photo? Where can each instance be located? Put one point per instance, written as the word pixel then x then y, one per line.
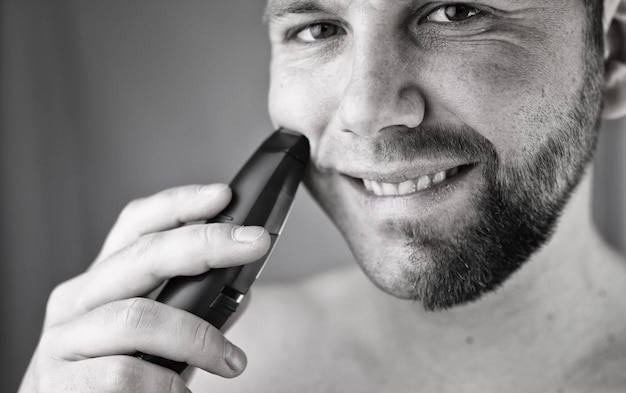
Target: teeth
pixel 439 177
pixel 407 187
pixel 390 189
pixel 410 186
pixel 368 184
pixel 423 183
pixel 377 188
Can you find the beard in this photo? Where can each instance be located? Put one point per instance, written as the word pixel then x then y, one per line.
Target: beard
pixel 519 205
pixel 446 261
pixel 516 209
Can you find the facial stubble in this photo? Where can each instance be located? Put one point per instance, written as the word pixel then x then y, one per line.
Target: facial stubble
pixel 517 209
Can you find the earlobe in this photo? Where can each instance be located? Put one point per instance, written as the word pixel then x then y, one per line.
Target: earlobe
pixel 615 61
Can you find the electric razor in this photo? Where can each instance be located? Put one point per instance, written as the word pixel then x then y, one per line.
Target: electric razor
pixel 263 192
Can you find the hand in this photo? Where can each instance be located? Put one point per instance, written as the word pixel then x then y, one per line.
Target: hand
pixel 96 321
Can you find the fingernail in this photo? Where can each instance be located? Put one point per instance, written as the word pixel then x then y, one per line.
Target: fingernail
pixel 247 234
pixel 235 358
pixel 212 189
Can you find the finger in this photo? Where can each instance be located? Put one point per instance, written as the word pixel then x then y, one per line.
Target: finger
pixel 165 210
pixel 147 326
pixel 111 374
pixel 143 266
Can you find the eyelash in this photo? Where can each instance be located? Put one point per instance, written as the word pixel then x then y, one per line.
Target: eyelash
pixel 477 13
pixel 292 35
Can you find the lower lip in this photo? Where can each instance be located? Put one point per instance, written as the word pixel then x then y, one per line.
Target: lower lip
pixel 442 198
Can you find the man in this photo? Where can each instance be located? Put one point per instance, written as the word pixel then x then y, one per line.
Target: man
pixel 451 145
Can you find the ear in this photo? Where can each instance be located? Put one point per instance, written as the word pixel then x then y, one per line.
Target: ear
pixel 614 59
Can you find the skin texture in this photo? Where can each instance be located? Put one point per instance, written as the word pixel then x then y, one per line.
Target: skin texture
pixel 554 325
pixel 389 94
pixel 96 320
pixel 484 92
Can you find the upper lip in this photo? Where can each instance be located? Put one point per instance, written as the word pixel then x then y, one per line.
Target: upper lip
pixel 397 173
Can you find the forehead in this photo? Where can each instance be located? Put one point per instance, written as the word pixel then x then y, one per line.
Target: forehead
pixel 279 8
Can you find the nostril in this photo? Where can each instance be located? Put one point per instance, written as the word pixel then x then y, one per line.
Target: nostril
pixel 396 129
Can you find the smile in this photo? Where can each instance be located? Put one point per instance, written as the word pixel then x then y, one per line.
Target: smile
pixel 411 186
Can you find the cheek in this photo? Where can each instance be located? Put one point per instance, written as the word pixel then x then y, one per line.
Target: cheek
pixel 303 99
pixel 513 96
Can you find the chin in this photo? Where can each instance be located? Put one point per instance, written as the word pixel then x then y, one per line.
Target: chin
pixel 391 271
pixel 411 273
pixel 450 244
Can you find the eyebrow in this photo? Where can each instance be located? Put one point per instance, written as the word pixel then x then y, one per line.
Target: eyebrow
pixel 276 9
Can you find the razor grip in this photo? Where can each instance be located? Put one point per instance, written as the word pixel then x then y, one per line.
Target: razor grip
pixel 208 296
pixel 191 294
pixel 263 192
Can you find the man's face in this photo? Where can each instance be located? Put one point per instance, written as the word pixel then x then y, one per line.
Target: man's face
pixel 445 137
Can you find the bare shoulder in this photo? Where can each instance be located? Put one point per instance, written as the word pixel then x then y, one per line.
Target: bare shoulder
pixel 291 333
pixel 604 367
pixel 337 332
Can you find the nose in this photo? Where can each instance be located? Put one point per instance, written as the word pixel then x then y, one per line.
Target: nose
pixel 381 92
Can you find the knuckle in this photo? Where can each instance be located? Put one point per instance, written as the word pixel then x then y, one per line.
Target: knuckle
pixel 209 340
pixel 208 235
pixel 136 314
pixel 141 248
pixel 63 302
pixel 131 209
pixel 57 299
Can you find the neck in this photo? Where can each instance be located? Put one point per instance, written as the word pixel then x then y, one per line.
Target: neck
pixel 559 271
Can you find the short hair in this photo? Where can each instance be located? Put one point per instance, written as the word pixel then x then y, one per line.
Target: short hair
pixel 595 34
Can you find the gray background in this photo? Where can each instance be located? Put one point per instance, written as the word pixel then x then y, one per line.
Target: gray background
pixel 106 101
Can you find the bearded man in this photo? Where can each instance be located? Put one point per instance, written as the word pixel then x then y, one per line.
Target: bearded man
pixel 452 145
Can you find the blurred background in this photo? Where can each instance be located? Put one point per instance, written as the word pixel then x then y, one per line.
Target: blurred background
pixel 106 101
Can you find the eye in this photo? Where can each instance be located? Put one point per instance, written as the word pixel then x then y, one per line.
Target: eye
pixel 452 13
pixel 318 31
